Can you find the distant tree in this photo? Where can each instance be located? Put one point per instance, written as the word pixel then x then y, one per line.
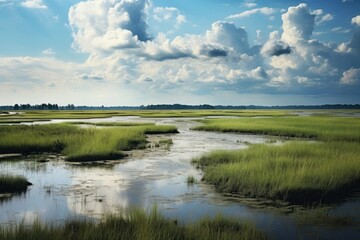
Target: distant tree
pixel 16 107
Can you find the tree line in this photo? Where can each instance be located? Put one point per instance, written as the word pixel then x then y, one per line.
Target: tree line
pixel 49 106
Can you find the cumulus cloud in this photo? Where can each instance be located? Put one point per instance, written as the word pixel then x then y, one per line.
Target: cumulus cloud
pixel 247 13
pixel 227 34
pixel 104 25
pixel 33 4
pixel 115 35
pixel 356 20
pixel 298 24
pixel 351 77
pixel 221 40
pixel 169 13
pixel 274 46
pixel 320 17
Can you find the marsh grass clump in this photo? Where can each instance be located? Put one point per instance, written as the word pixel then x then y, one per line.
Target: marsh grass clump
pixel 13 184
pixel 136 225
pixel 298 172
pixel 190 180
pixel 77 144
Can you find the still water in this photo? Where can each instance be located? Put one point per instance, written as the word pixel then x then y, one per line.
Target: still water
pixel 154 176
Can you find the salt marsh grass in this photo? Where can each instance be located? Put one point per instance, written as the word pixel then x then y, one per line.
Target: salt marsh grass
pixel 321 128
pixel 136 225
pixel 75 143
pixel 299 172
pixel 13 183
pixel 29 116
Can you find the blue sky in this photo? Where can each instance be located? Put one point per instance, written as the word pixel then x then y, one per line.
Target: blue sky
pixel 133 52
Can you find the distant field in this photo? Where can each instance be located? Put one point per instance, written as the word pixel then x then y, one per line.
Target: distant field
pixel 44 115
pixel 320 128
pixel 28 116
pixel 299 172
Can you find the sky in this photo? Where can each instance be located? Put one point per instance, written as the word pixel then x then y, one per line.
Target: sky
pixel 140 52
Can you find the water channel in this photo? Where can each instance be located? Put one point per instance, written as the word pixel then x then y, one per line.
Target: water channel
pixel 152 176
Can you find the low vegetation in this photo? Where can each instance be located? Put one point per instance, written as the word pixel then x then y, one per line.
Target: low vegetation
pixel 136 225
pixel 320 128
pixel 298 172
pixel 13 184
pixel 43 115
pixel 113 124
pixel 77 144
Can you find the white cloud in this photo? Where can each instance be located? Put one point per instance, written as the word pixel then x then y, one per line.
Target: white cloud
pixel 298 24
pixel 356 20
pixel 34 4
pixel 325 18
pixel 169 14
pixel 250 4
pixel 48 52
pixel 320 17
pixel 228 35
pixel 274 46
pixel 247 13
pixel 340 30
pixel 351 77
pixel 343 48
pixel 103 25
pixel 122 55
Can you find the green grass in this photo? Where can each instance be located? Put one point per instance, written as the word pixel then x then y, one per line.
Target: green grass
pixel 43 115
pixel 13 183
pixel 29 116
pixel 113 124
pixel 77 144
pixel 136 225
pixel 298 172
pixel 321 128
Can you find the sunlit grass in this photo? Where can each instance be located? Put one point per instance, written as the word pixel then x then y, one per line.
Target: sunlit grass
pixel 299 172
pixel 28 116
pixel 321 128
pixel 136 225
pixel 77 144
pixel 10 183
